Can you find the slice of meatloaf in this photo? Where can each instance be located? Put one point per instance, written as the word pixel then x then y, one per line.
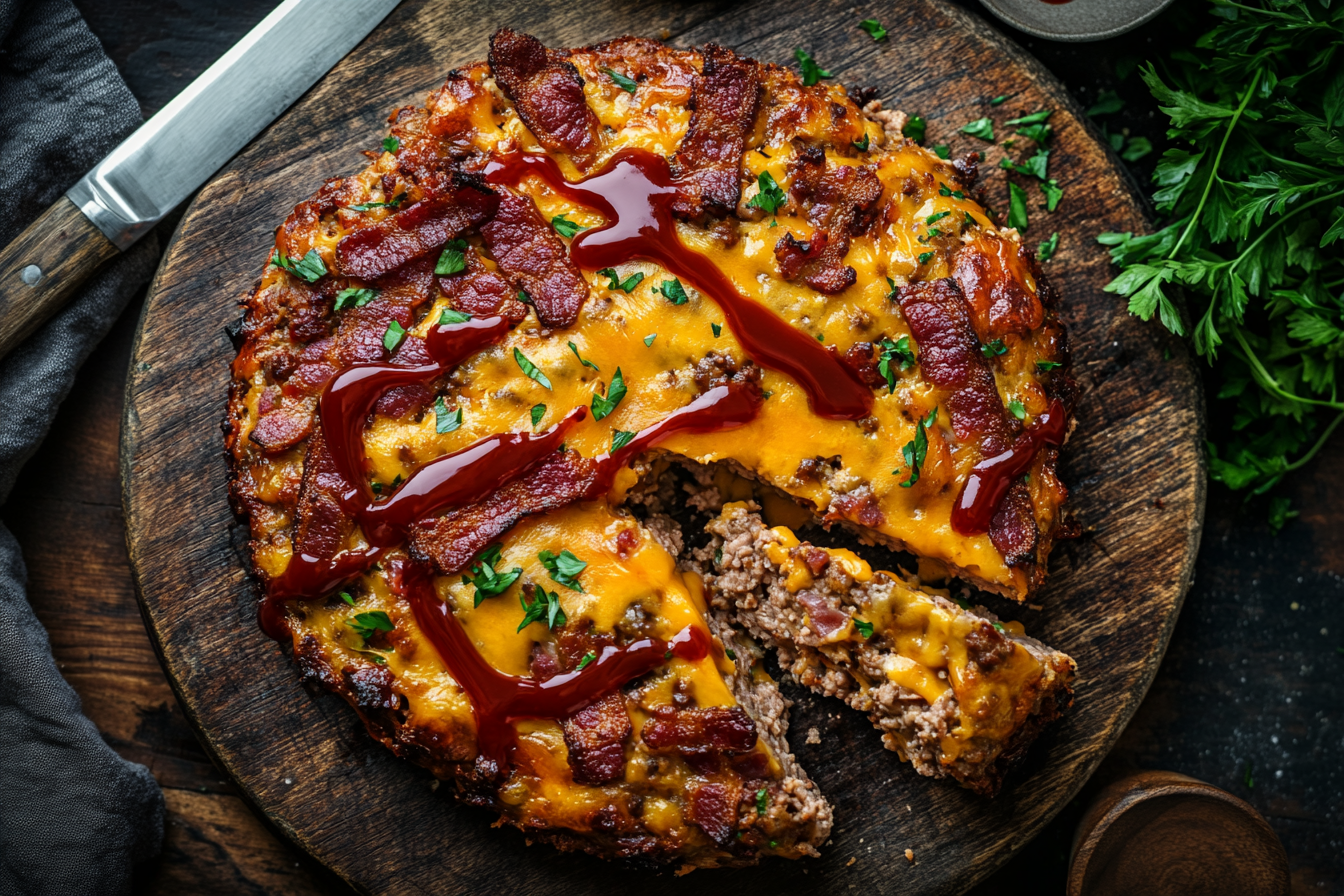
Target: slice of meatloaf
pixel 956 692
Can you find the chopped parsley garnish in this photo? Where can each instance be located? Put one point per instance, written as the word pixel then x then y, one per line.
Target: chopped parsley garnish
pixel 1048 365
pixel 812 73
pixel 1053 193
pixel 366 625
pixel 998 627
pixel 532 371
pixel 924 257
pixel 648 340
pixel 1017 207
pixel 937 216
pixel 538 411
pixel 605 404
pixel 945 190
pixel 998 100
pixel 1033 118
pixel 942 150
pixel 393 336
pixel 1017 410
pixel 391 203
pixel 391 144
pixel 914 128
pixel 620 80
pixel 620 438
pixel 1046 250
pixel 310 267
pixel 865 628
pixel 970 222
pixel 345 596
pixel 582 360
pixel 981 127
pixel 453 316
pixel 524 297
pixel 717 328
pixel 821 337
pixel 993 349
pixel 627 285
pixel 898 352
pixel 718 556
pixel 453 259
pixel 917 449
pixel 769 197
pixel 563 568
pixel 354 298
pixel 1280 512
pixel 861 145
pixel 874 29
pixel 673 291
pixel 762 801
pixel 1038 132
pixel 892 290
pixel 445 420
pixel 489 582
pixel 545 607
pixel 566 227
pixel 587 658
pixel 1035 166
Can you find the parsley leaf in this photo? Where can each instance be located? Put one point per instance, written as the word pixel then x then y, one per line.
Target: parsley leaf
pixel 937 216
pixel 488 581
pixel 626 286
pixel 914 128
pixel 566 227
pixel 544 607
pixel 998 100
pixel 453 259
pixel 874 29
pixel 769 197
pixel 530 369
pixel 354 298
pixel 924 257
pixel 897 352
pixel 1053 193
pixel 621 81
pixel 393 336
pixel 718 330
pixel 1136 148
pixel 812 73
pixel 945 190
pixel 1048 365
pixel 391 203
pixel 673 291
pixel 391 144
pixel 993 349
pixel 1046 250
pixel 942 150
pixel 445 421
pixel 861 145
pixel 453 316
pixel 917 449
pixel 1017 207
pixel 605 404
pixel 1035 166
pixel 762 801
pixel 563 568
pixel 648 340
pixel 345 596
pixel 1033 118
pixel 1037 132
pixel 620 438
pixel 310 267
pixel 1280 512
pixel 587 658
pixel 582 360
pixel 981 127
pixel 1016 408
pixel 366 625
pixel 865 628
pixel 538 411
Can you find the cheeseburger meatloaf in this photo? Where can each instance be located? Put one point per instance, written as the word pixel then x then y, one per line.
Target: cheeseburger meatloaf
pixel 467 369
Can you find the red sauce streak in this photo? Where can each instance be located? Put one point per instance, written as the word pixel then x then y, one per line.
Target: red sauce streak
pixel 991 478
pixel 635 192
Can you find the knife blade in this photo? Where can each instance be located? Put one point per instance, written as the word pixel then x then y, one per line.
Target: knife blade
pixel 174 153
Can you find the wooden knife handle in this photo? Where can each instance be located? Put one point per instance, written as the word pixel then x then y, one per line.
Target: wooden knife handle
pixel 43 267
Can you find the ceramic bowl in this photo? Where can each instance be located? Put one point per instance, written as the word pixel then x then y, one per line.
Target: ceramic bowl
pixel 1075 20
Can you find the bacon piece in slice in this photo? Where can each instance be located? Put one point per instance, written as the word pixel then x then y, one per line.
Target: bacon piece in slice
pixel 321 525
pixel 825 619
pixel 713 809
pixel 480 291
pixel 596 739
pixel 950 357
pixel 1013 530
pixel 841 202
pixel 708 165
pixel 995 277
pixel 284 426
pixel 371 252
pixel 547 90
pixel 454 539
pixel 700 731
pixel 372 687
pixel 863 358
pixel 534 259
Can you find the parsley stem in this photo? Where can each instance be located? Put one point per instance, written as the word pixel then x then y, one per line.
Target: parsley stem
pixel 1217 161
pixel 1270 229
pixel 1311 452
pixel 1263 377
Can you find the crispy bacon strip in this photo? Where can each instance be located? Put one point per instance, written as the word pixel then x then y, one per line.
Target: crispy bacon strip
pixel 841 202
pixel 950 357
pixel 480 291
pixel 713 809
pixel 454 539
pixel 994 279
pixel 725 96
pixel 547 90
pixel 596 739
pixel 283 427
pixel 701 731
pixel 1013 530
pixel 535 260
pixel 371 252
pixel 322 524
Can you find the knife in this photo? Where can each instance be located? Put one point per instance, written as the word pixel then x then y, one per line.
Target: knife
pixel 173 154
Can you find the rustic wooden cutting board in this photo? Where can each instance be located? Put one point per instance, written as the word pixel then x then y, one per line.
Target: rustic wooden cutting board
pixel 1134 464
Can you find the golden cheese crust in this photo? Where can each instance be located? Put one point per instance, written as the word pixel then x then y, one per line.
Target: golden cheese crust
pixel 842 230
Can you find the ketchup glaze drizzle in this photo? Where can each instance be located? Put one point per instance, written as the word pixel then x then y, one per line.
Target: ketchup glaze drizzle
pixel 990 479
pixel 634 191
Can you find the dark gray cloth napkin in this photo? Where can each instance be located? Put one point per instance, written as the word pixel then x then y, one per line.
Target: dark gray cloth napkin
pixel 74 816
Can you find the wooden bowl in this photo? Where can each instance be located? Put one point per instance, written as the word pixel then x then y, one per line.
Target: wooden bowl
pixel 1157 833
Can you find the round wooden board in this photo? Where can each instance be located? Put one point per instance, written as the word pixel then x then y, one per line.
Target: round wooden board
pixel 1134 464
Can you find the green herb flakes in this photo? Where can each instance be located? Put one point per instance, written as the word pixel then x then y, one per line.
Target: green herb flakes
pixel 530 369
pixel 769 197
pixel 586 363
pixel 445 421
pixel 393 336
pixel 452 316
pixel 925 257
pixel 587 658
pixel 942 150
pixel 917 449
pixel 861 145
pixel 945 190
pixel 391 144
pixel 718 330
pixel 603 405
pixel 563 568
pixel 616 283
pixel 1053 193
pixel 1017 410
pixel 345 596
pixel 993 349
pixel 915 126
pixel 620 438
pixel 673 291
pixel 1046 250
pixel 565 227
pixel 1017 207
pixel 894 355
pixel 865 629
pixel 487 581
pixel 366 625
pixel 812 73
pixel 937 216
pixel 981 127
pixel 874 29
pixel 1280 512
pixel 998 100
pixel 1049 365
pixel 538 411
pixel 453 259
pixel 1108 103
pixel 544 607
pixel 309 268
pixel 762 801
pixel 620 80
pixel 354 298
pixel 648 340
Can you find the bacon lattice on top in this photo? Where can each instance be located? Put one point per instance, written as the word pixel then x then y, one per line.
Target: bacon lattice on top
pixel 466 371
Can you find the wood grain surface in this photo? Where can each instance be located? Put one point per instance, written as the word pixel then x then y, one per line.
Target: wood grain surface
pixel 1135 465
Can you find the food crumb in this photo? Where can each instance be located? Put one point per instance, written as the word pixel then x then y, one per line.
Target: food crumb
pixel 910 856
pixel 852 860
pixel 813 736
pixel 665 34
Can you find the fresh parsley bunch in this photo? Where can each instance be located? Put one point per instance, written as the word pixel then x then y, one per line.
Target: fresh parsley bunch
pixel 1252 204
